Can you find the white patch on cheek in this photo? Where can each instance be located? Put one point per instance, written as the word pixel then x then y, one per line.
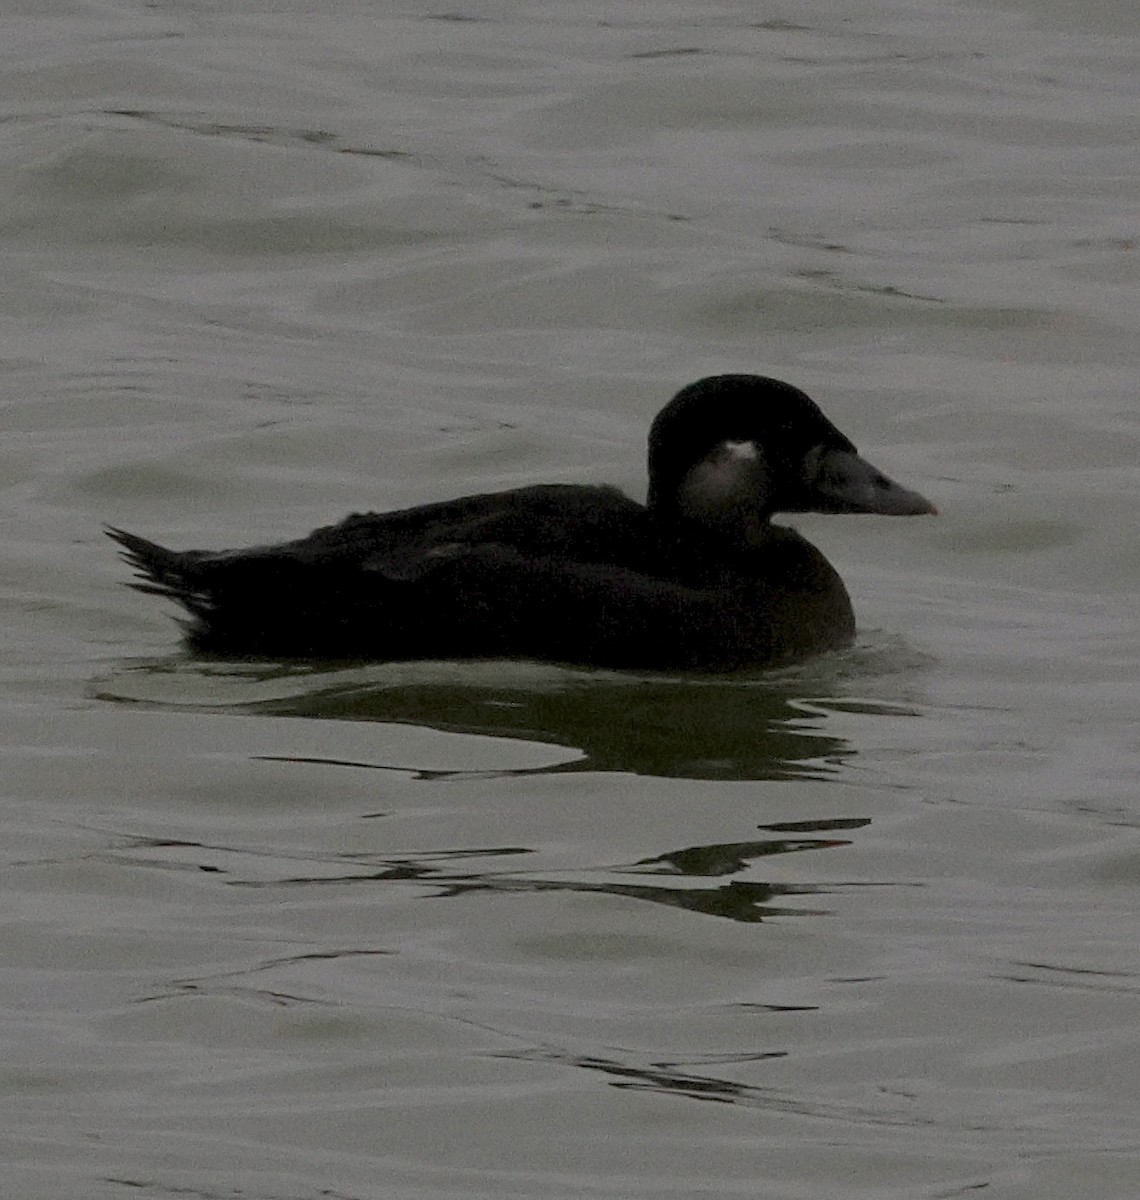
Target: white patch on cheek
pixel 726 483
pixel 740 451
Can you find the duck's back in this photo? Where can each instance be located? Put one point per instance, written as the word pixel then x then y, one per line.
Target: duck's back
pixel 578 523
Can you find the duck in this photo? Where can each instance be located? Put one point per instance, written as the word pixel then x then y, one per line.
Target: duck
pixel 698 578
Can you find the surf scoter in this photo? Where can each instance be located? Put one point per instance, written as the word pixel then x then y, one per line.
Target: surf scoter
pixel 698 577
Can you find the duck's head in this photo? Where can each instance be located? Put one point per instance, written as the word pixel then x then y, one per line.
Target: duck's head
pixel 729 451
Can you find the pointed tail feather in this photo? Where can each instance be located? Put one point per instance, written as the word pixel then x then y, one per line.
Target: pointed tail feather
pixel 161 572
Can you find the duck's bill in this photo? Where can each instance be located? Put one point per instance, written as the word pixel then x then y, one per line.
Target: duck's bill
pixel 842 482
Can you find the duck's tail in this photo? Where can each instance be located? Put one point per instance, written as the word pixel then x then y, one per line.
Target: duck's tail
pixel 161 572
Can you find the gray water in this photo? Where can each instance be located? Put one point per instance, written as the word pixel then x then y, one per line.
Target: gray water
pixel 864 928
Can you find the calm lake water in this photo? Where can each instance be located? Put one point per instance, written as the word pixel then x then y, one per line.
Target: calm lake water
pixel 505 930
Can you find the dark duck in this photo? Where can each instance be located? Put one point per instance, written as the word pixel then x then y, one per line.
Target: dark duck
pixel 696 578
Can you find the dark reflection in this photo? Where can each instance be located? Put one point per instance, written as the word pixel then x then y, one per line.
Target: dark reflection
pixel 275 135
pixel 732 857
pixel 738 901
pixel 818 825
pixel 742 900
pixel 673 728
pixel 664 1077
pixel 775 725
pixel 1057 975
pixel 688 1080
pixel 238 982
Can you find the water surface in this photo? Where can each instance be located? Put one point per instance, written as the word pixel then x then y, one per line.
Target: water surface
pixel 862 928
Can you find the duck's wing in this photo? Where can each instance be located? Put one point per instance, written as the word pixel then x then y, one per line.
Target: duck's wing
pixel 374 584
pixel 493 601
pixel 483 601
pixel 490 601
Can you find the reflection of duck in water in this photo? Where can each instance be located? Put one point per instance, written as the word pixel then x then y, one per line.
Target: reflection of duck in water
pixel 698 577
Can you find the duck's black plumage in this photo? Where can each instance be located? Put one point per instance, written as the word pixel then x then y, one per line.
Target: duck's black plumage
pixel 698 577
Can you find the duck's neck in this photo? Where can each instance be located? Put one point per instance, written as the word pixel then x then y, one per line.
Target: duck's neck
pixel 712 547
